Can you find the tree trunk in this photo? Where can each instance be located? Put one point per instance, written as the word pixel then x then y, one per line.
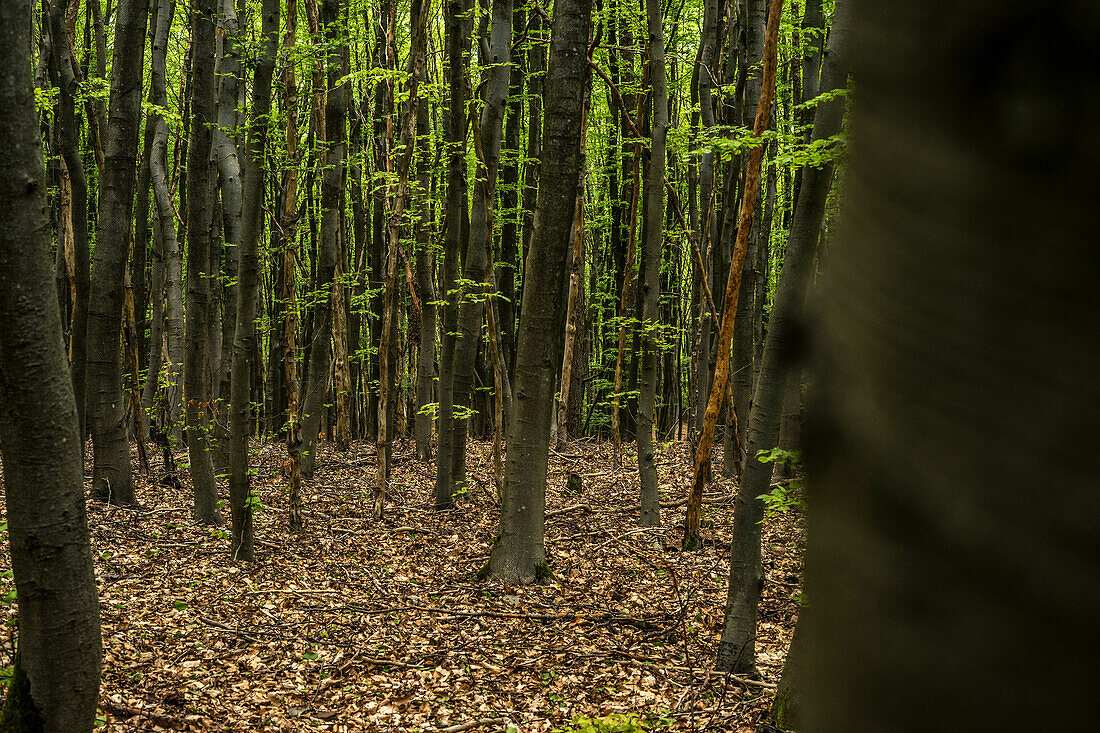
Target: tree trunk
pixel 475 272
pixel 318 372
pixel 288 225
pixel 790 426
pixel 733 283
pixel 519 555
pixel 737 649
pixel 230 168
pixel 953 443
pixel 626 299
pixel 167 243
pixel 65 74
pixel 650 512
pixel 572 300
pixel 240 495
pixel 111 479
pixel 425 363
pixel 459 27
pixel 199 211
pixel 55 683
pixel 705 74
pixel 389 330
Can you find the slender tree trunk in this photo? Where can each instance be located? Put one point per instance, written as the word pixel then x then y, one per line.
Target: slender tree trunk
pixel 199 211
pixel 737 649
pixel 425 364
pixel 229 165
pixel 288 226
pixel 459 28
pixel 733 283
pixel 167 243
pixel 576 272
pixel 519 555
pixel 408 143
pixel 111 479
pixel 65 73
pixel 475 272
pixel 55 682
pixel 240 495
pixel 626 299
pixel 651 266
pixel 318 372
pixel 509 196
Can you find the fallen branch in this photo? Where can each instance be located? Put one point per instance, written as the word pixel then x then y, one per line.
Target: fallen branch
pixel 124 712
pixel 565 510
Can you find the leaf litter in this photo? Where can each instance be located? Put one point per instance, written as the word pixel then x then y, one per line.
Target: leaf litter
pixel 358 625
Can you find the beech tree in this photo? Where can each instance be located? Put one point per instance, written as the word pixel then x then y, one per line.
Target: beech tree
pixel 736 651
pixel 519 555
pixel 936 547
pixel 55 682
pixel 111 479
pixel 200 185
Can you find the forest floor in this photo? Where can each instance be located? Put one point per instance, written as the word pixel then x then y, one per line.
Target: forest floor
pixel 358 625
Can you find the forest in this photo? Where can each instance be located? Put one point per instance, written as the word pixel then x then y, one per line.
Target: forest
pixel 577 366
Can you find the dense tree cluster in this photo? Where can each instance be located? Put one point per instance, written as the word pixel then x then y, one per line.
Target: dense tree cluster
pixel 332 220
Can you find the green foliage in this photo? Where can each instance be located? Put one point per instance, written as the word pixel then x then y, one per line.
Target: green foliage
pixel 613 723
pixel 254 503
pixel 784 497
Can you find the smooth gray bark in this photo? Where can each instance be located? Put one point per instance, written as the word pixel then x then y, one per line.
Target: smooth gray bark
pixel 240 495
pixel 166 246
pixel 111 479
pixel 199 210
pixel 55 685
pixel 519 556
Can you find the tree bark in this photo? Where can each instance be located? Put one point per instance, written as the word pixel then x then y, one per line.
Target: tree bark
pixel 318 373
pixel 199 211
pixel 425 284
pixel 65 72
pixel 519 555
pixel 401 190
pixel 230 170
pixel 733 283
pixel 167 244
pixel 952 442
pixel 55 684
pixel 488 136
pixel 650 512
pixel 240 495
pixel 288 227
pixel 737 648
pixel 111 479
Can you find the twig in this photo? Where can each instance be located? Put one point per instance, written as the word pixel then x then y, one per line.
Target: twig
pixel 565 510
pixel 222 627
pixel 125 712
pixel 471 725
